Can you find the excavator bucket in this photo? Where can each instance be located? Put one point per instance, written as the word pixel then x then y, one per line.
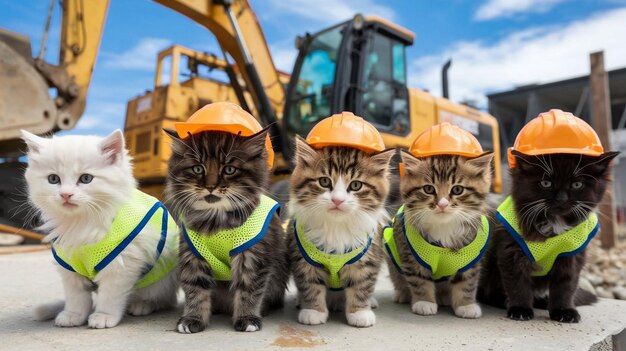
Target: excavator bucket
pixel 25 102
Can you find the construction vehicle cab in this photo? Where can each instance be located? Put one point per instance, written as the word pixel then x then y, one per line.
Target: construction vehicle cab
pixel 360 66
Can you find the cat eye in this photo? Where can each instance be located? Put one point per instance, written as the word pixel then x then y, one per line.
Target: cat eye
pixel 325 182
pixel 545 184
pixel 229 170
pixel 577 185
pixel 54 179
pixel 85 178
pixel 197 169
pixel 457 190
pixel 355 185
pixel 429 189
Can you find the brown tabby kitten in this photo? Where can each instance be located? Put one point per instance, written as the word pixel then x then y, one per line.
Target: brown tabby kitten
pixel 444 198
pixel 337 199
pixel 215 182
pixel 552 194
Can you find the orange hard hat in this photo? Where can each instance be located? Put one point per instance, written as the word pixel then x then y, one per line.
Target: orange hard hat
pixel 446 139
pixel 556 132
pixel 346 129
pixel 224 117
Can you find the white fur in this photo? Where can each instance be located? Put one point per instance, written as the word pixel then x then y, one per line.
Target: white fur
pixel 312 317
pixel 471 311
pixel 448 227
pixel 424 308
pixel 96 204
pixel 361 318
pixel 336 228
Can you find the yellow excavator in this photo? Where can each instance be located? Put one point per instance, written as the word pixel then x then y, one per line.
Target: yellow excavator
pixel 358 65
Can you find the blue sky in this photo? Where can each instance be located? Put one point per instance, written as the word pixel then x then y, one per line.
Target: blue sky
pixel 495 44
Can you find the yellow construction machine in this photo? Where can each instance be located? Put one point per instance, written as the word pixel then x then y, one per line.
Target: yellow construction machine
pixel 358 65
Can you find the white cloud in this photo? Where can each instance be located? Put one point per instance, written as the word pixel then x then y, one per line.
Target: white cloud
pixel 284 56
pixel 507 8
pixel 140 57
pixel 534 55
pixel 332 11
pixel 102 118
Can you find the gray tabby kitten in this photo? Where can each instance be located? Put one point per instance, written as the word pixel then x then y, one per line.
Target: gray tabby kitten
pixel 215 182
pixel 444 198
pixel 337 205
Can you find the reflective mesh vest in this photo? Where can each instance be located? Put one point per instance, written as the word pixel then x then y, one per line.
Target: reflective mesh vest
pixel 441 262
pixel 331 262
pixel 141 211
pixel 219 247
pixel 544 253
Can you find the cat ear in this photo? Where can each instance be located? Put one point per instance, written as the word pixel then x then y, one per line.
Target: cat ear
pixel 33 142
pixel 483 161
pixel 112 146
pixel 178 145
pixel 600 165
pixel 255 144
pixel 524 162
pixel 381 159
pixel 480 166
pixel 305 154
pixel 410 162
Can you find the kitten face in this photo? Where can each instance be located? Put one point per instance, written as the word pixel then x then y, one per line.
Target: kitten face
pixel 216 173
pixel 444 194
pixel 336 183
pixel 77 175
pixel 558 189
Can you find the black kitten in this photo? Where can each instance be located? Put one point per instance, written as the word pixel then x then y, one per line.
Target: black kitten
pixel 551 195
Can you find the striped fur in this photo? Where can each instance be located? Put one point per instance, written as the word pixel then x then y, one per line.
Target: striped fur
pixel 338 228
pixel 215 200
pixel 453 227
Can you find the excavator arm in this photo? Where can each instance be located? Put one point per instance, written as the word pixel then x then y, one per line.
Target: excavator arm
pixel 25 93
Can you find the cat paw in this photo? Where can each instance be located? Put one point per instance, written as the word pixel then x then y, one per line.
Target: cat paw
pixel 248 324
pixel 373 302
pixel 312 317
pixel 471 311
pixel 70 319
pixel 424 308
pixel 188 325
pixel 99 320
pixel 519 313
pixel 361 319
pixel 401 296
pixel 140 308
pixel 567 315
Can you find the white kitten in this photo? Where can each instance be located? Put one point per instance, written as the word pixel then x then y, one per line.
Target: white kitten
pixel 79 185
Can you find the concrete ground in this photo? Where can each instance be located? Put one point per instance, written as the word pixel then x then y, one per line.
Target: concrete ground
pixel 30 279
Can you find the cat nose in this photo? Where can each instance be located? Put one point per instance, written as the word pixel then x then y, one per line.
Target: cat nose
pixel 210 188
pixel 66 196
pixel 561 196
pixel 443 203
pixel 337 201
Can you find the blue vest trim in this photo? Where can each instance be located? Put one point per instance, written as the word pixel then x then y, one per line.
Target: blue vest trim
pixel 593 233
pixel 189 243
pixel 480 254
pixel 367 247
pixel 111 256
pixel 391 255
pixel 302 251
pixel 520 241
pixel 417 257
pixel 60 261
pixel 335 289
pixel 258 237
pixel 161 243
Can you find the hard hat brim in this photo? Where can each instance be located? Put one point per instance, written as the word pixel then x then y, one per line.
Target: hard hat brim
pixel 368 149
pixel 551 151
pixel 446 152
pixel 184 129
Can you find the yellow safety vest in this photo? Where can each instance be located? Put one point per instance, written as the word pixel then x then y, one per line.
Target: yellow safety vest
pixel 332 262
pixel 441 262
pixel 130 220
pixel 544 253
pixel 219 247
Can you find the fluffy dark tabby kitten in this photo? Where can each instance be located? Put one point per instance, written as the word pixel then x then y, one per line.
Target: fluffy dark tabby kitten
pixel 215 182
pixel 444 198
pixel 552 194
pixel 337 201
